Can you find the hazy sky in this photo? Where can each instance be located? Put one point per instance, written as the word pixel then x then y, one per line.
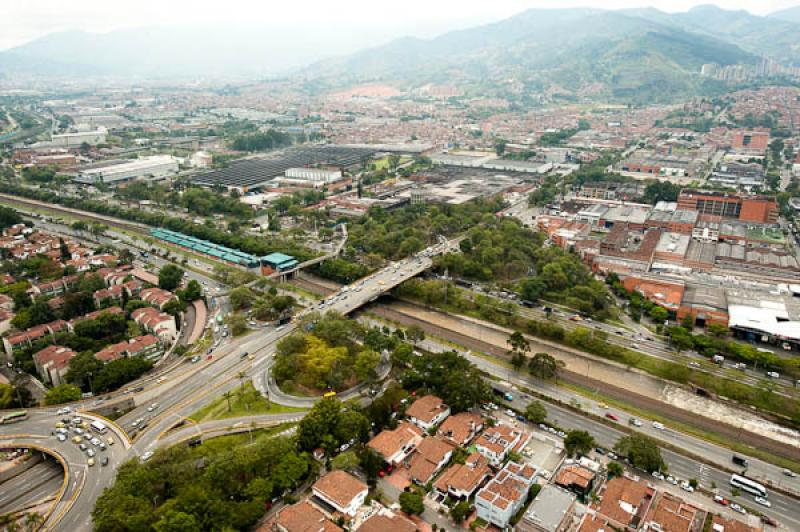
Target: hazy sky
pixel 374 20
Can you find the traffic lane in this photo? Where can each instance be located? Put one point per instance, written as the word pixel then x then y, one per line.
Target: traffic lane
pixel 717 454
pixel 785 509
pixel 16 488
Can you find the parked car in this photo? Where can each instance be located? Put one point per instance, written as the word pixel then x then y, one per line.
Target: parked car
pixel 719 499
pixel 767 520
pixel 736 508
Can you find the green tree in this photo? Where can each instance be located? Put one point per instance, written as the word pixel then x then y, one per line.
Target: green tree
pixel 415 334
pixel 6 396
pixel 520 347
pixel 241 297
pixel 347 461
pixel 615 469
pixel 642 452
pixel 460 511
pixel 170 276
pixel 366 364
pixel 658 314
pixel 63 393
pixel 175 521
pixel 535 412
pixel 578 442
pixel 192 292
pixel 544 366
pixel 237 324
pixel 411 502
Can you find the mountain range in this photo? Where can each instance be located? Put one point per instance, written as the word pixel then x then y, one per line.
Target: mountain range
pixel 633 54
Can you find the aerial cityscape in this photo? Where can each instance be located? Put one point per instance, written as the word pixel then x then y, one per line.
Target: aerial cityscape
pixel 528 266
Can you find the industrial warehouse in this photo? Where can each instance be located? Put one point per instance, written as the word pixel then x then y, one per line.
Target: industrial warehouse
pixel 255 173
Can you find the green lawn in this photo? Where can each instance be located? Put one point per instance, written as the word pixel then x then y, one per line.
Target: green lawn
pixel 244 401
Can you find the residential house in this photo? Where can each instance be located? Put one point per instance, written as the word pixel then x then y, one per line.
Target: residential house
pixel 431 455
pixel 427 412
pixel 496 442
pixel 551 511
pixel 722 524
pixel 462 480
pixel 28 337
pixel 146 346
pixel 94 315
pixel 341 491
pixel 461 428
pixel 385 520
pixel 625 502
pixel 157 297
pixel 52 363
pixel 504 495
pixel 397 444
pixel 5 320
pixel 576 479
pixel 157 323
pixel 669 513
pixel 300 517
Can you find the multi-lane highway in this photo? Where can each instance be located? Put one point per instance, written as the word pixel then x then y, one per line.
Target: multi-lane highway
pixel 183 387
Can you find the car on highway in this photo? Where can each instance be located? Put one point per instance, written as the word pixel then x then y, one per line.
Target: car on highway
pixel 719 499
pixel 90 462
pixel 612 417
pixel 789 473
pixel 635 422
pixel 694 364
pixel 767 520
pixel 657 425
pixel 602 405
pixel 152 407
pixel 773 375
pixel 195 358
pixel 763 502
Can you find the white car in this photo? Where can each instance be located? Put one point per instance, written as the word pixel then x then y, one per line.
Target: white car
pixel 61 437
pixel 95 442
pixel 773 375
pixel 736 508
pixel 62 411
pixel 657 425
pixel 763 502
pixel 658 475
pixel 685 486
pixel 636 422
pixel 510 413
pixel 146 456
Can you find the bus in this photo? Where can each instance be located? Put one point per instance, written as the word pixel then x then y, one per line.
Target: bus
pixel 98 427
pixel 13 417
pixel 750 486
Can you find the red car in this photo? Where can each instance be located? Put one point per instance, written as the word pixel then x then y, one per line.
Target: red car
pixel 768 520
pixel 210 357
pixel 612 417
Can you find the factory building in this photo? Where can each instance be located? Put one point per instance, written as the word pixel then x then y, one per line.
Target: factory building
pixel 155 167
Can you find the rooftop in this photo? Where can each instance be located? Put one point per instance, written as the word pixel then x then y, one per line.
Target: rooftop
pixel 340 487
pixel 548 509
